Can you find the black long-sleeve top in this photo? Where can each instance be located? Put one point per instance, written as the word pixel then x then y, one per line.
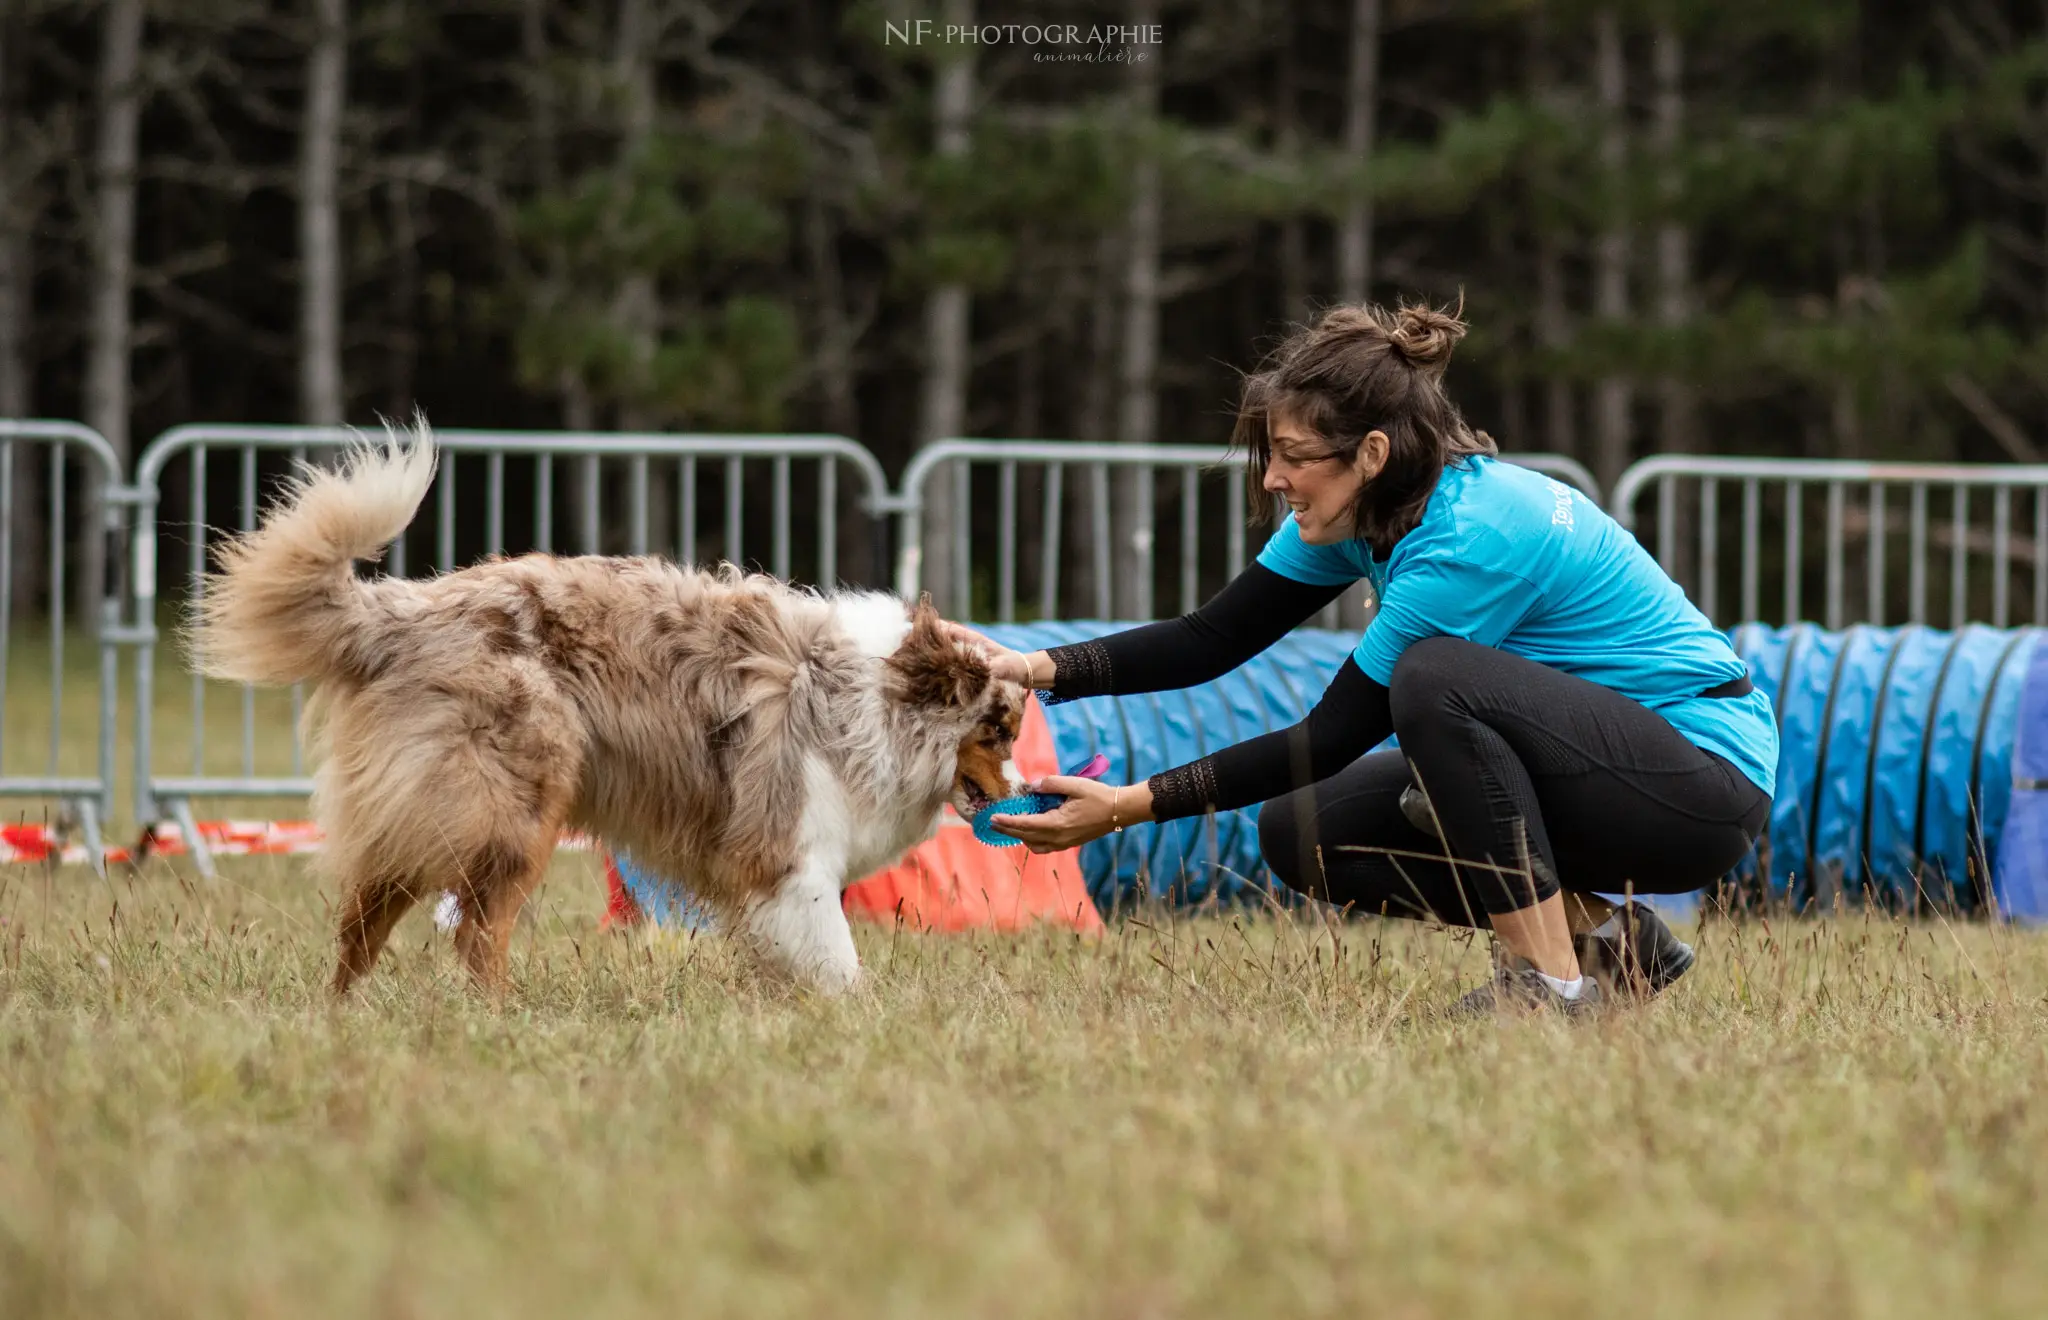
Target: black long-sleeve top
pixel 1255 610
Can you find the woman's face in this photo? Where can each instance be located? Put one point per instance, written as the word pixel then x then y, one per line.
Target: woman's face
pixel 1320 487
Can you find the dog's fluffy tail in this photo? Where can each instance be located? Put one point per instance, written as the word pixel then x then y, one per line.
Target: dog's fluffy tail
pixel 285 605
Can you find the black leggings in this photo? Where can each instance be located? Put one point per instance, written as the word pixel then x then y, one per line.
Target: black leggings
pixel 1540 781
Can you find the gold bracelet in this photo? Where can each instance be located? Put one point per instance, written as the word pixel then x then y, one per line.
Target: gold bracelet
pixel 1114 811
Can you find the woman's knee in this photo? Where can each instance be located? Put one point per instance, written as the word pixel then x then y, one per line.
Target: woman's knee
pixel 1427 679
pixel 1283 829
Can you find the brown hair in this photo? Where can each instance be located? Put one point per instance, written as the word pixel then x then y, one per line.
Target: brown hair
pixel 1361 368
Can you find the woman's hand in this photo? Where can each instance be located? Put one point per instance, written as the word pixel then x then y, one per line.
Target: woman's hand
pixel 1091 810
pixel 1002 661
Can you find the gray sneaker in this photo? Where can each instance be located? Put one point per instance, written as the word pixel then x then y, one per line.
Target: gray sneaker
pixel 1420 811
pixel 1519 988
pixel 1641 959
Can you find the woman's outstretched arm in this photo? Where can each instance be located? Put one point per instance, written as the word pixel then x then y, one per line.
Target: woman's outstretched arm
pixel 1254 610
pixel 1354 715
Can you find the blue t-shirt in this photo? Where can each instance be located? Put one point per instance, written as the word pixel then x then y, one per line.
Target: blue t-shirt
pixel 1510 558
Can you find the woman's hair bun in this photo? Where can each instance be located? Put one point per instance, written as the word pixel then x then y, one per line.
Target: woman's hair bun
pixel 1425 336
pixel 1348 320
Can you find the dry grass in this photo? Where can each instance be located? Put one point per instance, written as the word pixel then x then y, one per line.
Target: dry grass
pixel 1191 1117
pixel 1185 1117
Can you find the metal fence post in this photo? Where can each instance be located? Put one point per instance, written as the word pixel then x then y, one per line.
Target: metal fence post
pixel 86 800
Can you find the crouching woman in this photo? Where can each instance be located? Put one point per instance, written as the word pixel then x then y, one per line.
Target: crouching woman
pixel 1568 723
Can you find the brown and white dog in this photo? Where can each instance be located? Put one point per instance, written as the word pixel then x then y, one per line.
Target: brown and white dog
pixel 762 745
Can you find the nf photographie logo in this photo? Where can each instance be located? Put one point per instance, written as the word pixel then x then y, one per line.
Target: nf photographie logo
pixel 1097 42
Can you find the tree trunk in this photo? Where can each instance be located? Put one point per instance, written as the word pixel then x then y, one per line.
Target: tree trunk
pixel 571 533
pixel 18 202
pixel 1089 591
pixel 1554 336
pixel 834 332
pixel 837 401
pixel 113 229
pixel 1678 404
pixel 638 308
pixel 1026 423
pixel 1137 410
pixel 118 95
pixel 836 394
pixel 403 301
pixel 1674 240
pixel 25 557
pixel 1845 422
pixel 1361 106
pixel 321 401
pixel 1294 296
pixel 16 257
pixel 16 280
pixel 1098 384
pixel 635 309
pixel 1844 432
pixel 1354 234
pixel 1028 408
pixel 943 406
pixel 579 410
pixel 575 396
pixel 1552 322
pixel 17 221
pixel 1612 394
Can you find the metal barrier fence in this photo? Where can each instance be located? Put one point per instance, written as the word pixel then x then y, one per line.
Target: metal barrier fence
pixel 1199 549
pixel 1019 466
pixel 1964 513
pixel 79 476
pixel 1869 542
pixel 612 493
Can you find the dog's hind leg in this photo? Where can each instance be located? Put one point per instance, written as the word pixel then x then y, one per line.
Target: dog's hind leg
pixel 495 883
pixel 372 908
pixel 800 929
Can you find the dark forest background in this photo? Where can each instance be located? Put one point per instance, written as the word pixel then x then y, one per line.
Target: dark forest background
pixel 1801 227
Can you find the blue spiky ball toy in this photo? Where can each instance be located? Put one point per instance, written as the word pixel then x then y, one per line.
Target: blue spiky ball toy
pixel 1030 804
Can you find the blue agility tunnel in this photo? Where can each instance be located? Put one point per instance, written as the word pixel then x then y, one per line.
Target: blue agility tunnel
pixel 2021 857
pixel 1895 764
pixel 1900 749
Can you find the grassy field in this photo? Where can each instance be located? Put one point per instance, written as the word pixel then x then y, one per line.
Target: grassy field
pixel 1184 1117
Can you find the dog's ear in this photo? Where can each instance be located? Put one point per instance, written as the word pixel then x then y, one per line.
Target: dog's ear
pixel 931 669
